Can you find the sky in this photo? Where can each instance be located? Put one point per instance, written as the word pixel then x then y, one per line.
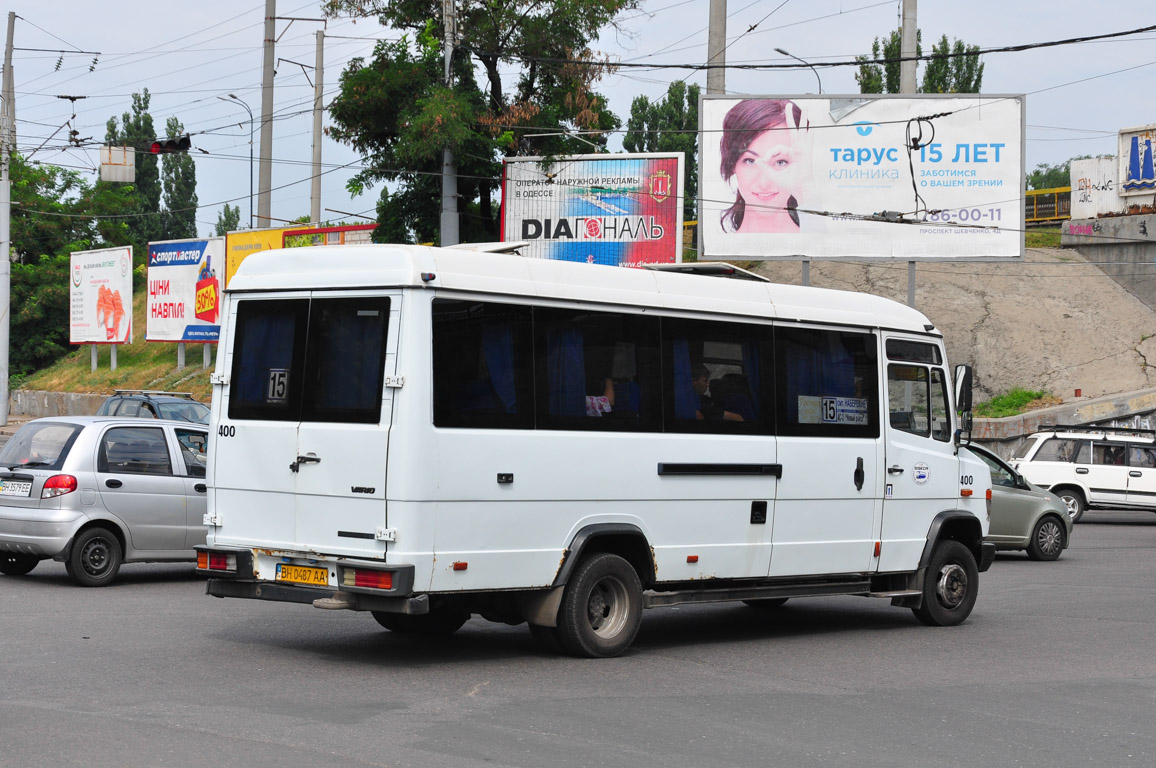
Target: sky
pixel 192 56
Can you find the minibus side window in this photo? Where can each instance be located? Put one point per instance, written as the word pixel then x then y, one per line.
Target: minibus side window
pixel 909 394
pixel 717 377
pixel 828 383
pixel 596 370
pixel 482 365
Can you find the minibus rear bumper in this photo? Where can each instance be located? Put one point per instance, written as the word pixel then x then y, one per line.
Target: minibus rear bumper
pixel 319 598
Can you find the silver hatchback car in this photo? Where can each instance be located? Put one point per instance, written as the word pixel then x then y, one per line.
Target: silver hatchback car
pixel 95 491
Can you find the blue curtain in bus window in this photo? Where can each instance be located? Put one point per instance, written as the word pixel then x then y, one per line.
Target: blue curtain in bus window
pixel 498 348
pixel 803 376
pixel 349 346
pixel 686 401
pixel 267 344
pixel 753 389
pixel 838 370
pixel 565 373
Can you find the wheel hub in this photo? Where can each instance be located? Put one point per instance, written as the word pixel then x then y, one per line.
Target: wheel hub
pixel 1049 538
pixel 951 588
pixel 95 557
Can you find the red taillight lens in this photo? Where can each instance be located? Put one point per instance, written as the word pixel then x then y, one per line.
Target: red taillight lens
pixel 58 485
pixel 373 579
pixel 216 561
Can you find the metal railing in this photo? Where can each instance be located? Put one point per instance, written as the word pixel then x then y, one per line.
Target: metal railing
pixel 1048 204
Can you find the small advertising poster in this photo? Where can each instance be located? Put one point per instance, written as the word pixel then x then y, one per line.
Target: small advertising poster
pixel 621 210
pixel 184 293
pixel 100 297
pixel 862 177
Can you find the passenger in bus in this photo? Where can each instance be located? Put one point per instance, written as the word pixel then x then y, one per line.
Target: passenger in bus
pixel 704 407
pixel 733 396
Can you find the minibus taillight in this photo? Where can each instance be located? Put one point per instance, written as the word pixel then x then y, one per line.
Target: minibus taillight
pixel 216 561
pixel 58 485
pixel 353 577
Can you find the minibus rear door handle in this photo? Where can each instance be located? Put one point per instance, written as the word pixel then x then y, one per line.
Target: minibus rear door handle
pixel 859 474
pixel 895 469
pixel 310 459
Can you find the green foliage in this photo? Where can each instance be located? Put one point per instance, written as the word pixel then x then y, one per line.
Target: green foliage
pixel 670 125
pixel 179 182
pixel 39 330
pixel 136 130
pixel 397 111
pixel 1014 402
pixel 1051 176
pixel 1042 237
pixel 47 211
pixel 957 70
pixel 228 220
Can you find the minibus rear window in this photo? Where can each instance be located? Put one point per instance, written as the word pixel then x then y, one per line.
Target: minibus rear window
pixel 300 360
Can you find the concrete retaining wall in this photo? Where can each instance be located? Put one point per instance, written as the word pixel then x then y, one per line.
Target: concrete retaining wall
pixel 1123 247
pixel 33 404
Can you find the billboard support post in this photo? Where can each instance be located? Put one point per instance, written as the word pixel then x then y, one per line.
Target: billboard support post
pixel 93 356
pixel 180 355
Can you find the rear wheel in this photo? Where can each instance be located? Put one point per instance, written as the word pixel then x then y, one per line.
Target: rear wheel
pixel 601 607
pixel 439 621
pixel 1047 540
pixel 1074 501
pixel 95 558
pixel 15 564
pixel 950 586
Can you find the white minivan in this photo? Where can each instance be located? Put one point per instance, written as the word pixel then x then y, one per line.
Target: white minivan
pixel 427 434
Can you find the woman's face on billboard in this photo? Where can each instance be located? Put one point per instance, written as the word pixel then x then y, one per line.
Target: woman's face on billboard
pixel 766 178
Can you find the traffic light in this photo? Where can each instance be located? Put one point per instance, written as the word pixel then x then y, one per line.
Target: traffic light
pixel 168 146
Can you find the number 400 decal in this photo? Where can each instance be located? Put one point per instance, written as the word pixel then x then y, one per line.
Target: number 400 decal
pixel 226 430
pixel 966 480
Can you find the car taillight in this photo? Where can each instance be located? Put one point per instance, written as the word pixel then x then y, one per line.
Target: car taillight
pixel 216 561
pixel 58 485
pixel 352 577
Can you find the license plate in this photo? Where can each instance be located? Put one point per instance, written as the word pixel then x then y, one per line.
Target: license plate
pixel 15 487
pixel 303 574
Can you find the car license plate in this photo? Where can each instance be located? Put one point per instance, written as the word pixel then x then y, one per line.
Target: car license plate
pixel 302 574
pixel 15 487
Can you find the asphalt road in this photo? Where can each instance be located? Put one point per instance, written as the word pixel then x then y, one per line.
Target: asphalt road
pixel 1056 667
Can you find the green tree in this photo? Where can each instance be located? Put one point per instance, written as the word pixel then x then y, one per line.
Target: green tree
pixel 1051 176
pixel 396 110
pixel 40 321
pixel 136 130
pixel 669 125
pixel 179 182
pixel 228 220
pixel 47 211
pixel 954 68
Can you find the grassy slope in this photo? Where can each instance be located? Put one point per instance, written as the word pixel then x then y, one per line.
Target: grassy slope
pixel 140 365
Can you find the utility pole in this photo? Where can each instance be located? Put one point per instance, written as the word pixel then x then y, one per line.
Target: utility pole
pixel 265 166
pixel 7 141
pixel 909 34
pixel 449 220
pixel 716 48
pixel 907 39
pixel 318 108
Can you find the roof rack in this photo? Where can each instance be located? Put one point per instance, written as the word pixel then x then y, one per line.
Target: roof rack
pixel 709 268
pixel 147 392
pixel 1092 428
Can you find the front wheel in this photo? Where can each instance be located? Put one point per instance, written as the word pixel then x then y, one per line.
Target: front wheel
pixel 15 564
pixel 950 586
pixel 601 607
pixel 1047 540
pixel 1074 501
pixel 95 558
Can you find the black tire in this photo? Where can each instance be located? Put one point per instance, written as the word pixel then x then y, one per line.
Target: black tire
pixel 950 586
pixel 547 637
pixel 95 558
pixel 1074 501
pixel 1048 539
pixel 438 622
pixel 601 607
pixel 766 603
pixel 16 564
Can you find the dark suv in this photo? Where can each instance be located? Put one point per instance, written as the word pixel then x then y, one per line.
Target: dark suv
pixel 153 404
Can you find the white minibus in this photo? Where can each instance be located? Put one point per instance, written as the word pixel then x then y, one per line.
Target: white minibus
pixel 427 434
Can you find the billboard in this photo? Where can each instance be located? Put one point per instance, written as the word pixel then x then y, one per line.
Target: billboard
pixel 240 244
pixel 622 210
pixel 1137 175
pixel 184 294
pixel 100 296
pixel 881 177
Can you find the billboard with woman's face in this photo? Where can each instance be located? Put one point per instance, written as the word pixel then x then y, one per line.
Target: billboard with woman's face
pixel 924 177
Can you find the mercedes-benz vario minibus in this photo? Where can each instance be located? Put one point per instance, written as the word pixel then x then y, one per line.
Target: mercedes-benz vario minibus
pixel 427 434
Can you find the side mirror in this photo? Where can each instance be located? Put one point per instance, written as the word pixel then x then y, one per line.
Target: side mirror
pixel 963 388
